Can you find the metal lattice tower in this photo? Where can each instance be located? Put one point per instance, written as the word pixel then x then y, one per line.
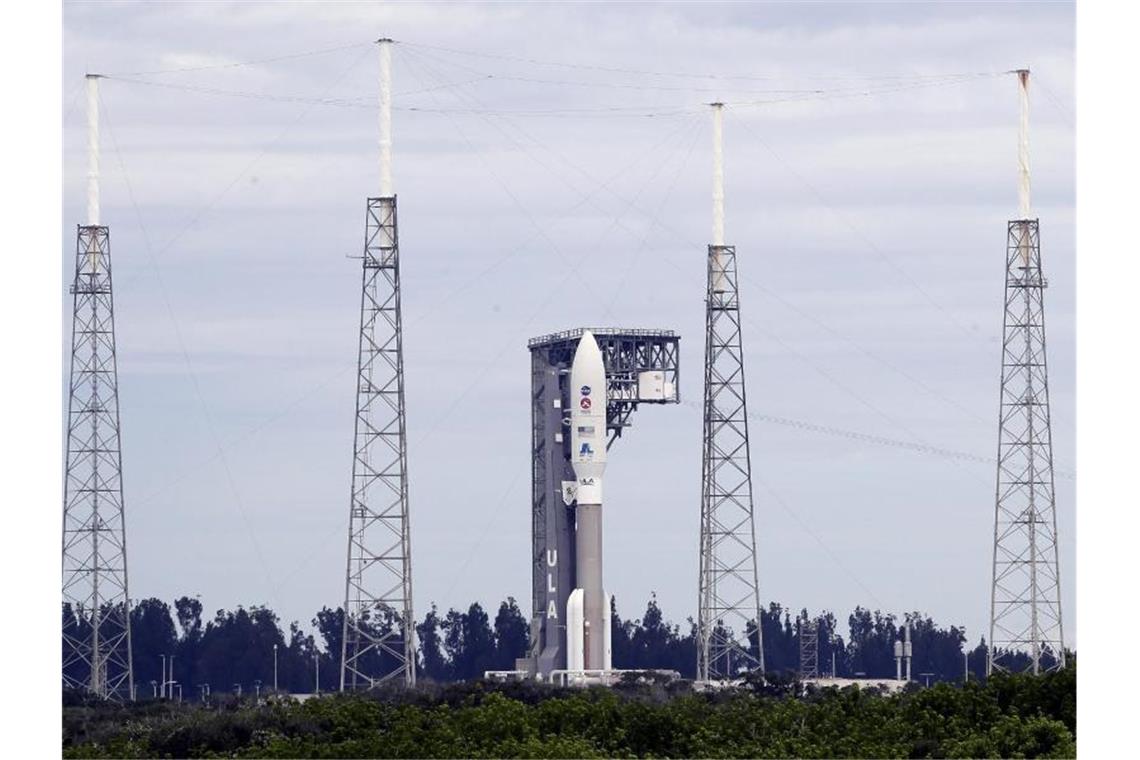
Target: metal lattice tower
pixel 96 606
pixel 729 607
pixel 1025 602
pixel 809 649
pixel 379 640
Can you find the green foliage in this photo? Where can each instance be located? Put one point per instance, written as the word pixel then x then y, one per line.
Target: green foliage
pixel 244 645
pixel 1011 716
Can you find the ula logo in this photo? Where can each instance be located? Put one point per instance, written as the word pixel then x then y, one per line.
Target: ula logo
pixel 586 450
pixel 585 390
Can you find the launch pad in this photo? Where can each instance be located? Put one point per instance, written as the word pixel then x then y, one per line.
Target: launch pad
pixel 641 367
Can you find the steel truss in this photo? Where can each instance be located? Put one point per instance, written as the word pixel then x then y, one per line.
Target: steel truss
pixel 1025 608
pixel 379 628
pixel 809 649
pixel 96 606
pixel 729 590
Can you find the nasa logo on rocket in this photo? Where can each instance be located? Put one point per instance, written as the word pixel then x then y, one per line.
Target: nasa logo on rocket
pixel 588 418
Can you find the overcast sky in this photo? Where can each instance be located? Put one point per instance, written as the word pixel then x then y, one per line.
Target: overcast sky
pixel 553 169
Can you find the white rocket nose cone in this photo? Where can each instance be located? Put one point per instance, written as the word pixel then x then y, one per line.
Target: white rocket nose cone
pixel 589 342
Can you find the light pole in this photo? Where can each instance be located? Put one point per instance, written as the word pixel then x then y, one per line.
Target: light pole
pixel 154 689
pixel 162 690
pixel 204 690
pixel 274 668
pixel 172 685
pixel 168 680
pixel 257 689
pixel 237 686
pixel 965 657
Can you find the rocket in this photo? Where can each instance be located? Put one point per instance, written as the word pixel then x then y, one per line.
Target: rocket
pixel 588 607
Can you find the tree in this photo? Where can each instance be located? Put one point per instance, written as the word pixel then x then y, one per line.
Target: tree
pixel 330 624
pixel 781 646
pixel 469 642
pixel 189 617
pixel 189 614
pixel 936 650
pixel 238 646
pixel 432 661
pixel 152 638
pixel 870 650
pixel 512 635
pixel 621 638
pixel 295 663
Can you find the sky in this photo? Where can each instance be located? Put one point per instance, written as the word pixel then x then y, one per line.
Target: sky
pixel 553 168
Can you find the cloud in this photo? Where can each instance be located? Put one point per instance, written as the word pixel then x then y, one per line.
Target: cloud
pixel 881 216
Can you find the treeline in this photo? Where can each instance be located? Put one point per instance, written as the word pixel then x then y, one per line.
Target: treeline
pixel 240 646
pixel 1009 716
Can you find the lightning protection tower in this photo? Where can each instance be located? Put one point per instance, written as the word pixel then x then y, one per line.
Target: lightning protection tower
pixel 96 607
pixel 1025 602
pixel 729 607
pixel 378 643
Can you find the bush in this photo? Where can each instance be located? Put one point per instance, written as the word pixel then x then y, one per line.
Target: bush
pixel 1010 716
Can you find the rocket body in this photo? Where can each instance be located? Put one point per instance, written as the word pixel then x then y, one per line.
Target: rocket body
pixel 588 613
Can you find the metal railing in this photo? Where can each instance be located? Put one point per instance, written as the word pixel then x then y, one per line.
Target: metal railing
pixel 576 332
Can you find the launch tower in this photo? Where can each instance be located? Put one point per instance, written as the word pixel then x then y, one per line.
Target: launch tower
pixel 641 367
pixel 96 606
pixel 1025 601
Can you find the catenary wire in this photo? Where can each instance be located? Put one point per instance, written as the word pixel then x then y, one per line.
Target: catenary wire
pixel 467 283
pixel 644 72
pixel 239 64
pixel 1061 108
pixel 153 260
pixel 862 400
pixel 817 368
pixel 461 85
pixel 207 417
pixel 815 319
pixel 827 375
pixel 205 209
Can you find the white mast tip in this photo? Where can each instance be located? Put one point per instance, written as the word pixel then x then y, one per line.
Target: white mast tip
pixel 1023 145
pixel 93 149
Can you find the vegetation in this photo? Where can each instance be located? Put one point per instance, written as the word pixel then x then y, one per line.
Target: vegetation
pixel 1010 716
pixel 454 714
pixel 237 647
